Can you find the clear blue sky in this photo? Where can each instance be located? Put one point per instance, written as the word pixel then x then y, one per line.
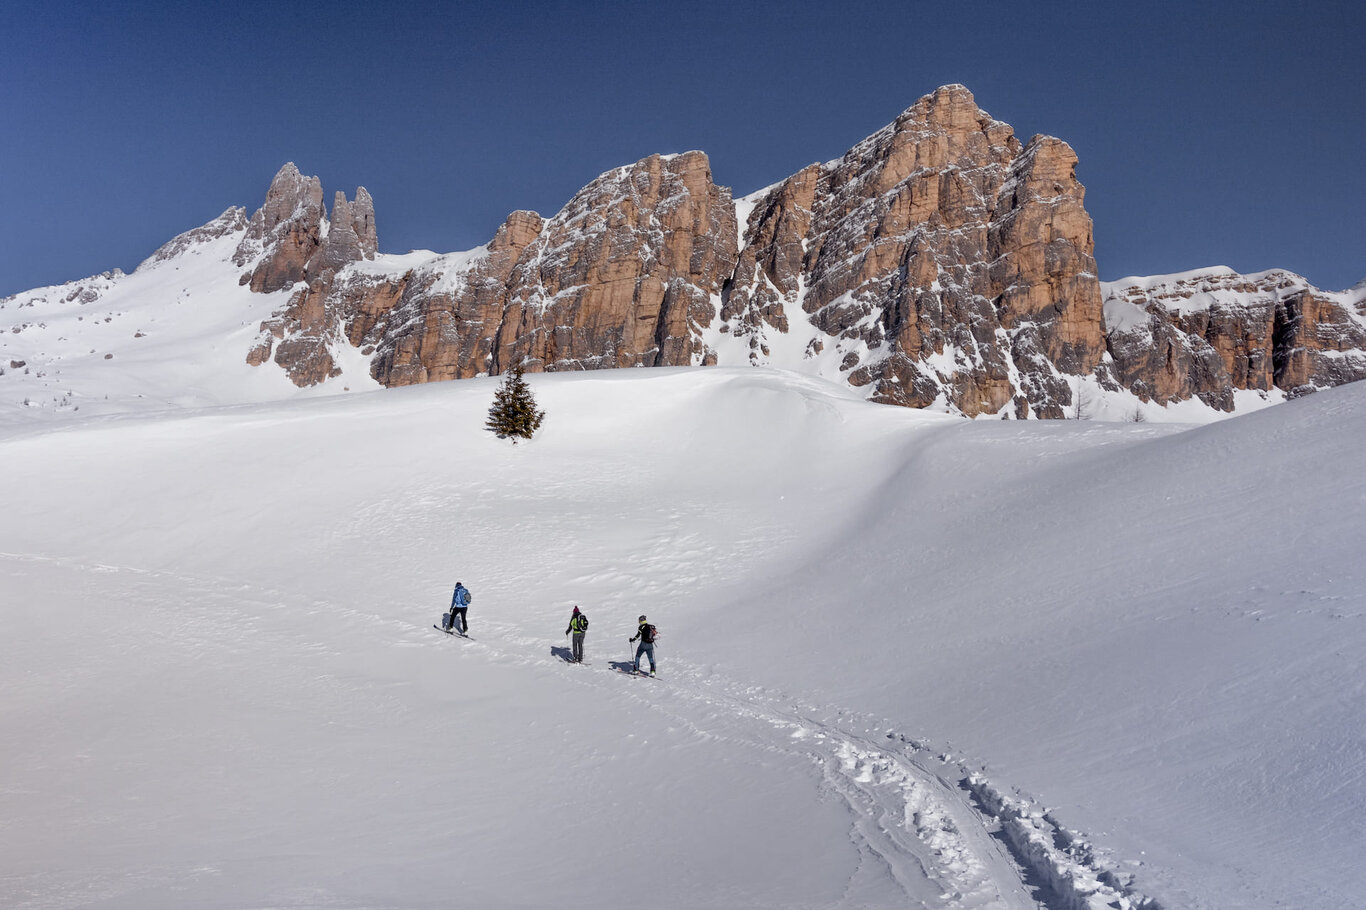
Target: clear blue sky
pixel 1208 133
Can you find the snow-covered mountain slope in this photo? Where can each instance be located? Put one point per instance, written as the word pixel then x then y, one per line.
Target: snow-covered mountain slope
pixel 220 685
pixel 939 264
pixel 174 333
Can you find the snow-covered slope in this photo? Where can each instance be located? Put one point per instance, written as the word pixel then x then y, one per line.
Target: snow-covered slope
pixel 220 685
pixel 175 333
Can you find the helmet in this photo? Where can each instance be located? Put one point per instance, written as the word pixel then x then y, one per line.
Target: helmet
pixel 642 617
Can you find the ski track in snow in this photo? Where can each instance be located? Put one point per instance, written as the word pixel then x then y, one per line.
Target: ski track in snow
pixel 942 833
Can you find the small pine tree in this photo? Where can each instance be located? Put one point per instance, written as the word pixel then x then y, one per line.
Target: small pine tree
pixel 514 413
pixel 1081 402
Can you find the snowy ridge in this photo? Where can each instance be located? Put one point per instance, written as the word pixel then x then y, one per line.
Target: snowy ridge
pixel 1199 289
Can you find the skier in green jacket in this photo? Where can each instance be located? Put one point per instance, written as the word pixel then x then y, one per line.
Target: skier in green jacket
pixel 578 626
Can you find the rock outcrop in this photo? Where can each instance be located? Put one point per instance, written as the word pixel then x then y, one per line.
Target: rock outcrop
pixel 939 257
pixel 1208 333
pixel 625 274
pixel 285 233
pixel 939 262
pixel 230 222
pixel 351 233
pixel 290 239
pixel 442 320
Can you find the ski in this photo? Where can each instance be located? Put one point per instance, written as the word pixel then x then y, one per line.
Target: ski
pixel 464 635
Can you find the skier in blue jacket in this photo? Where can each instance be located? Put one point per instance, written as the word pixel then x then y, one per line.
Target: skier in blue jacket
pixel 460 603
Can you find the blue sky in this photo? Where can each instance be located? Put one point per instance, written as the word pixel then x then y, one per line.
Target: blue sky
pixel 1208 133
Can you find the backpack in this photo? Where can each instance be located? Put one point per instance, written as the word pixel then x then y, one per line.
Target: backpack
pixel 463 597
pixel 580 623
pixel 648 634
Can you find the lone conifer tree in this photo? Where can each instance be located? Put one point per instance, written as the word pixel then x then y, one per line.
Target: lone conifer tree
pixel 514 413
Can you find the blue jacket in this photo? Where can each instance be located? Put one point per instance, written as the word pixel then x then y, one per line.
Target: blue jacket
pixel 456 599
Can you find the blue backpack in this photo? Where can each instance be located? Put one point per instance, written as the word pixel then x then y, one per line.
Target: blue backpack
pixel 463 596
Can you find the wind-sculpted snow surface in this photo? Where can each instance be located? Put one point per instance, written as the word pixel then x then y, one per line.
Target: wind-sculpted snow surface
pixel 906 660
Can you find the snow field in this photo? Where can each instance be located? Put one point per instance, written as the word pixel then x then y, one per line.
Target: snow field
pixel 279 771
pixel 1147 628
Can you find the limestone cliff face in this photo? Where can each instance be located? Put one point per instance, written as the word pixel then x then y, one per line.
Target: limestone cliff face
pixel 1206 334
pixel 290 240
pixel 938 257
pixel 441 321
pixel 625 273
pixel 938 262
pixel 285 233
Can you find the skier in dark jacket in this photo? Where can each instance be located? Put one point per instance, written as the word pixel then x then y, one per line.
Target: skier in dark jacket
pixel 646 633
pixel 578 626
pixel 460 604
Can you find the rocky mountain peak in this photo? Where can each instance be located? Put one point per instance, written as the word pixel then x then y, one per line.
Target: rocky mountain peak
pixel 289 239
pixel 950 111
pixel 291 197
pixel 363 223
pixel 517 231
pixel 350 233
pixel 900 254
pixel 940 261
pixel 619 274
